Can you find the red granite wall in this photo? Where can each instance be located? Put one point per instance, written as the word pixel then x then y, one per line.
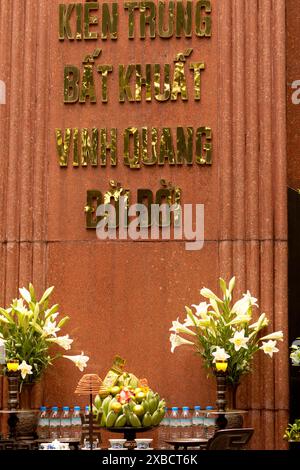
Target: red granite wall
pixel 122 296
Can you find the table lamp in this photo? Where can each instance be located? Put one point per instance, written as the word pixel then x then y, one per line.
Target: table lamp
pixel 89 385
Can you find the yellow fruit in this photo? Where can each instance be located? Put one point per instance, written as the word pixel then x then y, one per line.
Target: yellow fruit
pixel 115 390
pixel 138 390
pixel 138 410
pixel 116 407
pixel 140 396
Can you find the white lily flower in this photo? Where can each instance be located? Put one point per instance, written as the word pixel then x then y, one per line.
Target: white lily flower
pixel 231 284
pixel 242 318
pixel 201 309
pixel 79 361
pixel 2 341
pixel 278 336
pixel 220 354
pixel 50 328
pixel 295 356
pixel 242 306
pixel 239 340
pixel 53 316
pixel 269 347
pixel 25 369
pixel 208 294
pixel 62 341
pixel 188 322
pixel 180 328
pixel 25 294
pixel 261 323
pixel 178 341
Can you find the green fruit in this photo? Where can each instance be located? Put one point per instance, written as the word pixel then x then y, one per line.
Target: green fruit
pixel 103 420
pixel 132 405
pixel 145 405
pixel 134 420
pixel 121 421
pixel 98 401
pixel 106 403
pixel 149 395
pixel 162 404
pixel 111 419
pixel 152 405
pixel 112 401
pixel 155 418
pixel 126 410
pixel 147 421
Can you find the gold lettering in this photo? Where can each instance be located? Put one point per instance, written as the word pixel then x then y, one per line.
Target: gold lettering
pixel 71 88
pixel 124 85
pixel 133 162
pixel 185 145
pixel 90 20
pixel 89 147
pixel 203 22
pixel 63 146
pixel 165 96
pixel 75 147
pixel 147 19
pixel 179 85
pixel 65 12
pixel 105 146
pixel 166 150
pixel 88 85
pixel 131 6
pixel 104 70
pixel 204 150
pixel 78 21
pixel 184 19
pixel 93 200
pixel 110 21
pixel 143 81
pixel 166 33
pixel 197 67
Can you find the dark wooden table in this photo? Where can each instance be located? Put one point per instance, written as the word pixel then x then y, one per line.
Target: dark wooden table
pixel 185 443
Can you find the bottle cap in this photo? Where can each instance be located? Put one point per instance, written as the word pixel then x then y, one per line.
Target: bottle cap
pixel 54 408
pixel 77 408
pixel 197 407
pixel 185 408
pixel 87 408
pixel 175 408
pixel 209 408
pixel 43 408
pixel 66 408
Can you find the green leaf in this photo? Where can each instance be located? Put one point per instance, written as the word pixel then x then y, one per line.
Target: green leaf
pixel 6 315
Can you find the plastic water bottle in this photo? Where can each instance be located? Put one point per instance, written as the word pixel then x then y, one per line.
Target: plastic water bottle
pixel 76 423
pixel 54 423
pixel 210 424
pixel 186 423
pixel 174 423
pixel 164 431
pixel 43 424
pixel 65 423
pixel 197 420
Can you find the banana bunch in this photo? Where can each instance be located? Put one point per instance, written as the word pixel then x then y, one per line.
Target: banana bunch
pixel 129 407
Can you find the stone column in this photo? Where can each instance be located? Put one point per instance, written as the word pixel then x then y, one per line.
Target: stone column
pixel 253 206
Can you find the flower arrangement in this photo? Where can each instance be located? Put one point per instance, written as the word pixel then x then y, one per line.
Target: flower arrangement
pixel 29 329
pixel 224 332
pixel 292 432
pixel 295 354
